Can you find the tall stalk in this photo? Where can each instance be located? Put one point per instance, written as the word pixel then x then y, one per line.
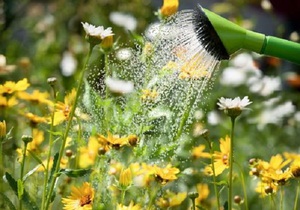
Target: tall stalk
pixel 231 163
pixel 65 136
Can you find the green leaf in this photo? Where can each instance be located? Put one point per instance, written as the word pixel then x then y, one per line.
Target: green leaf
pixel 55 159
pixel 31 172
pixel 25 198
pixel 36 158
pixel 7 201
pixel 75 172
pixel 20 189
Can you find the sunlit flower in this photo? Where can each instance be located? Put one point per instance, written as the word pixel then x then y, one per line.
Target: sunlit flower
pixel 265 189
pixel 36 97
pixel 198 152
pixel 62 110
pixel 34 120
pixel 170 199
pixel 8 102
pixel 88 154
pixel 97 32
pixel 10 87
pixel 166 174
pixel 81 198
pixel 233 107
pixel 131 206
pixel 118 86
pixel 113 141
pixel 5 69
pixel 221 159
pixel 295 168
pixel 236 103
pixel 203 191
pixel 149 95
pixel 169 7
pixel 126 21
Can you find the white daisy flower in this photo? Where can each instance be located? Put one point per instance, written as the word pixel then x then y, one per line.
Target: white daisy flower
pixel 119 86
pixel 125 20
pixel 233 107
pixel 236 103
pixel 99 31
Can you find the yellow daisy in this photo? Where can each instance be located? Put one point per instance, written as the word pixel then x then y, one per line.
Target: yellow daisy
pixel 169 7
pixel 221 159
pixel 10 87
pixel 81 198
pixel 131 206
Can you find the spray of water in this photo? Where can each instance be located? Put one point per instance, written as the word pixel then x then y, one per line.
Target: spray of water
pixel 175 65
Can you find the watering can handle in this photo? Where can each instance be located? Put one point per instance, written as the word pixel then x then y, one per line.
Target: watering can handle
pixel 281 48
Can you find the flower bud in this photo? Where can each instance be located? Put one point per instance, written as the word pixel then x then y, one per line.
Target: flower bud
pixel 2 130
pixel 107 43
pixel 125 177
pixel 69 153
pixel 193 195
pixel 52 81
pixel 27 139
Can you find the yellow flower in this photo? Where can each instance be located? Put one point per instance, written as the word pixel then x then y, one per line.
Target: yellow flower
pixel 88 153
pixel 169 7
pixel 62 110
pixel 197 152
pixel 265 189
pixel 38 138
pixel 221 159
pixel 113 141
pixel 36 97
pixel 193 69
pixel 203 191
pixel 149 95
pixel 2 130
pixel 7 102
pixel 34 119
pixel 166 174
pixel 63 163
pixel 10 87
pixel 171 199
pixel 130 207
pixel 295 168
pixel 81 198
pixel 278 177
pixel 125 178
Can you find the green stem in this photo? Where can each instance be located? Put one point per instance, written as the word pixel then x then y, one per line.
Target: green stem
pixel 46 174
pixel 22 173
pixel 194 204
pixel 244 187
pixel 1 160
pixel 281 198
pixel 108 72
pixel 65 136
pixel 214 172
pixel 297 195
pixel 231 164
